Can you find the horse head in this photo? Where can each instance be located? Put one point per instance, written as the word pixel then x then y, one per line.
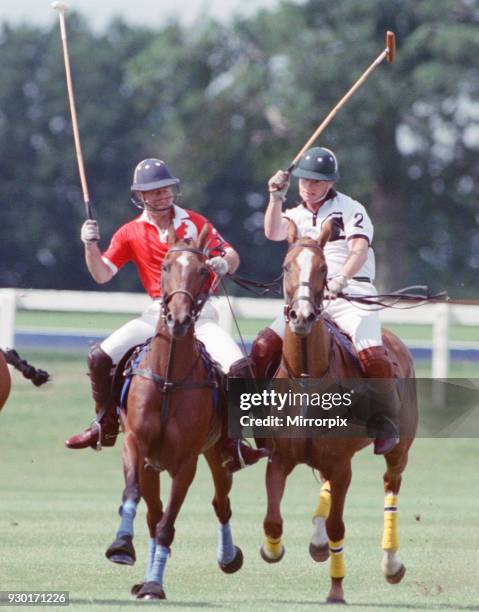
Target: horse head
pixel 185 282
pixel 304 279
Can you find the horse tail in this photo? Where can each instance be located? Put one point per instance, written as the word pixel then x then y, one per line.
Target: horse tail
pixel 37 376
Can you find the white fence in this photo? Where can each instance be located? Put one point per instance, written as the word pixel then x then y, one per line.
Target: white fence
pixel 440 316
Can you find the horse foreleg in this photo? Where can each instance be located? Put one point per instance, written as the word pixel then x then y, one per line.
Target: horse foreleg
pixel 165 530
pixel 392 566
pixel 273 550
pixel 339 480
pixel 319 545
pixel 122 550
pixel 230 557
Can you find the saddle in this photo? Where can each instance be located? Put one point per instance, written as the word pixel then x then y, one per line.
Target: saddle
pixel 216 379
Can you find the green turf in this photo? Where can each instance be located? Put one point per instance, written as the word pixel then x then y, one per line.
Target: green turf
pixel 58 513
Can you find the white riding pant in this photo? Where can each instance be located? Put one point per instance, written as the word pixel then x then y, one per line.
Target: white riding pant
pixel 219 344
pixel 358 320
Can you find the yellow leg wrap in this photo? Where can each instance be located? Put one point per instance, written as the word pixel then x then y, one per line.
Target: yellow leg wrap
pixel 337 568
pixel 324 502
pixel 390 540
pixel 273 546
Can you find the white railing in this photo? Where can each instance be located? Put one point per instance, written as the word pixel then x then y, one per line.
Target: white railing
pixel 439 316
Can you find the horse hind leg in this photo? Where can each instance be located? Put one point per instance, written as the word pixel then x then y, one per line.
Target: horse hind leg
pixel 392 566
pixel 229 556
pixel 319 544
pixel 122 550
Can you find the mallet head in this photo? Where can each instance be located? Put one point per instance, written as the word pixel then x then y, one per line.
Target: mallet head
pixel 390 46
pixel 61 7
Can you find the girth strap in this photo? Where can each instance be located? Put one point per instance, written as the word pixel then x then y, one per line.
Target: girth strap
pixel 165 386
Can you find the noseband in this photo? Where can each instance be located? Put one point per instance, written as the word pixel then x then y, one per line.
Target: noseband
pixel 316 302
pixel 197 302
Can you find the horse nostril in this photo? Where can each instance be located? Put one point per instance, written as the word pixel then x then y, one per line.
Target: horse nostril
pixel 293 315
pixel 310 318
pixel 169 317
pixel 187 320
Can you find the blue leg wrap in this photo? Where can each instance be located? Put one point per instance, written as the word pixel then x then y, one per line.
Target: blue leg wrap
pixel 151 556
pixel 226 549
pixel 158 566
pixel 127 513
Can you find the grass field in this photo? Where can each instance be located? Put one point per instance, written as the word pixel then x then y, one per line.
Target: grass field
pixel 58 513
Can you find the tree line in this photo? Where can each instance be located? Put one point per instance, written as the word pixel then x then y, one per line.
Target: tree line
pixel 226 105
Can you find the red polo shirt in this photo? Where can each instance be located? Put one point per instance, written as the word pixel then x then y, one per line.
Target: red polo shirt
pixel 143 243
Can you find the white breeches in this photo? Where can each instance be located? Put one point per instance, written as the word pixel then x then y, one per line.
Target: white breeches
pixel 218 342
pixel 357 320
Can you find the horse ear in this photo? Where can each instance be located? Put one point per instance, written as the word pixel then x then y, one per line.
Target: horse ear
pixel 203 237
pixel 172 237
pixel 325 234
pixel 292 234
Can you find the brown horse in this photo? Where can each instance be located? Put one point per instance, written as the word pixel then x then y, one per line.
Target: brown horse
pixel 172 418
pixel 11 357
pixel 5 381
pixel 311 348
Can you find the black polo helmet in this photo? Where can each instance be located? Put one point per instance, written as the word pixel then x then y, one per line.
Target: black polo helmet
pixel 319 164
pixel 152 174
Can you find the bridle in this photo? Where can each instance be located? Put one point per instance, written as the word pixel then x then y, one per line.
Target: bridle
pixel 197 302
pixel 316 302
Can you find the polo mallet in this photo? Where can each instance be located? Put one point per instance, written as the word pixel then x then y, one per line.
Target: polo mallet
pixel 61 7
pixel 389 53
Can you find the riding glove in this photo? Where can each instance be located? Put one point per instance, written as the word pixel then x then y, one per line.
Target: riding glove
pixel 219 265
pixel 278 184
pixel 336 285
pixel 90 232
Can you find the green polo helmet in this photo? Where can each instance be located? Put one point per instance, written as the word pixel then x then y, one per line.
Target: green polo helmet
pixel 318 164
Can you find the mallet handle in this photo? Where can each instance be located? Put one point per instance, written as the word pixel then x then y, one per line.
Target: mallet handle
pixel 73 112
pixel 342 102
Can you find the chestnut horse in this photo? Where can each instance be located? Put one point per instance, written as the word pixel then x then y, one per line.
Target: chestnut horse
pixel 310 347
pixel 5 381
pixel 172 417
pixel 11 357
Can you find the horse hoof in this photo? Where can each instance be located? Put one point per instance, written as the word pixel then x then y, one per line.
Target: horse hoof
pixel 234 565
pixel 335 600
pixel 150 590
pixel 136 587
pixel 122 551
pixel 398 576
pixel 319 553
pixel 269 559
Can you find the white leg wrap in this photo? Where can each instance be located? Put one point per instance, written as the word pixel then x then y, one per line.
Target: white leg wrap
pixel 390 563
pixel 319 537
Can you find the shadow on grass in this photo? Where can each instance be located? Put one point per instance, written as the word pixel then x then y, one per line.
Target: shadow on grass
pixel 379 606
pixel 136 602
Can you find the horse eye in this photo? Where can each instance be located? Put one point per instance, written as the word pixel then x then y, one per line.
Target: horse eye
pixel 204 271
pixel 286 268
pixel 165 267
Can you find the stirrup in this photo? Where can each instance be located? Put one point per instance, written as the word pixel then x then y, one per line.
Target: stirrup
pixel 98 447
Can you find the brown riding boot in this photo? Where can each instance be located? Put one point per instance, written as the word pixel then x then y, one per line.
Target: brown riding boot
pixel 266 353
pixel 237 454
pixel 384 424
pixel 104 429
